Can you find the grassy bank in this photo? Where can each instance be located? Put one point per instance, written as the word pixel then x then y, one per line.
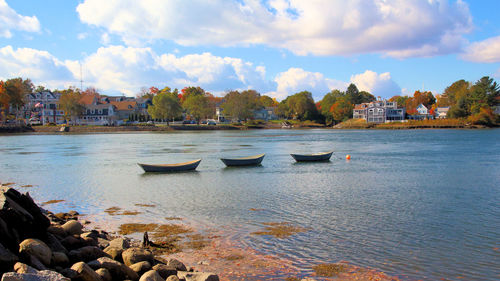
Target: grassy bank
pixel 410 124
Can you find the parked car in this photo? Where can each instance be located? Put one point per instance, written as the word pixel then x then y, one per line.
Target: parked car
pixel 211 122
pixel 35 121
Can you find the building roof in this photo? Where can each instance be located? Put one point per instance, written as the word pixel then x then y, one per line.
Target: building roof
pixel 88 99
pixel 124 105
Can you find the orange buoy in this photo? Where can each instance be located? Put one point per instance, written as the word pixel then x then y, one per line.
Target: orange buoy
pixel 348 157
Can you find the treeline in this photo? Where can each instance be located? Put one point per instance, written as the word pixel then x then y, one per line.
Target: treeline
pixel 474 101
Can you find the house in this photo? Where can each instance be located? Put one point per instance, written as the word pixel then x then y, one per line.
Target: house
pixel 143 104
pixel 496 109
pixel 380 111
pixel 266 113
pixel 219 112
pixel 43 106
pixel 98 114
pixel 441 112
pixel 123 109
pixel 422 113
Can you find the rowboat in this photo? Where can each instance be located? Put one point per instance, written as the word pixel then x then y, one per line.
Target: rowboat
pixel 322 156
pixel 163 168
pixel 243 161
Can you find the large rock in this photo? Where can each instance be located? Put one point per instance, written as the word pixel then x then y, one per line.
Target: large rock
pixel 73 242
pixel 173 278
pixel 73 227
pixel 85 273
pixel 114 253
pixel 57 230
pixel 176 264
pixel 59 259
pixel 20 218
pixel 88 253
pixel 7 259
pixel 24 268
pixel 36 248
pixel 141 267
pixel 45 275
pixel 151 275
pixel 118 270
pixel 120 243
pixel 197 276
pixel 135 255
pixel 54 244
pixel 104 274
pixel 165 270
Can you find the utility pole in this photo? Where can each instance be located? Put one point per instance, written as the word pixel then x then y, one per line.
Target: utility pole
pixel 81 76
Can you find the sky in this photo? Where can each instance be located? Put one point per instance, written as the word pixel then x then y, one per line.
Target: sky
pixel 277 47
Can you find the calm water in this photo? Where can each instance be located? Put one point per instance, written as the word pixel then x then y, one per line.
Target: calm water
pixel 421 203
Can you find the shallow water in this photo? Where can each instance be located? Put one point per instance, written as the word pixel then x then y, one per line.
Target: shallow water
pixel 420 204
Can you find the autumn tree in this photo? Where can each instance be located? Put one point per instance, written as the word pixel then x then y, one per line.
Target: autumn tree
pixel 425 98
pixel 166 105
pixel 17 89
pixel 400 100
pixel 342 109
pixel 4 102
pixel 267 101
pixel 325 105
pixel 70 103
pixel 241 106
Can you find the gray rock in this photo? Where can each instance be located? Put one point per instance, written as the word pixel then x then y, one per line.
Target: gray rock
pixel 135 255
pixel 104 273
pixel 173 278
pixel 165 270
pixel 197 276
pixel 87 253
pixel 118 270
pixel 120 243
pixel 85 273
pixel 45 275
pixel 59 258
pixel 114 253
pixel 72 227
pixel 141 267
pixel 36 248
pixel 20 267
pixel 151 275
pixel 177 264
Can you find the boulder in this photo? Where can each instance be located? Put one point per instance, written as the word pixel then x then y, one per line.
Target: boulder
pixel 36 248
pixel 24 268
pixel 120 243
pixel 69 273
pixel 85 273
pixel 114 253
pixel 92 234
pixel 54 244
pixel 151 275
pixel 45 275
pixel 176 264
pixel 35 262
pixel 102 243
pixel 165 270
pixel 7 259
pixel 60 259
pixel 135 255
pixel 197 276
pixel 73 242
pixel 173 278
pixel 87 253
pixel 104 274
pixel 118 270
pixel 57 230
pixel 73 227
pixel 141 267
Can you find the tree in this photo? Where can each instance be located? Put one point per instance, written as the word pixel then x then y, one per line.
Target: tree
pixel 459 89
pixel 353 94
pixel 267 101
pixel 166 106
pixel 299 106
pixel 325 105
pixel 4 102
pixel 483 94
pixel 458 110
pixel 342 109
pixel 197 106
pixel 425 98
pixel 17 89
pixel 400 100
pixel 69 102
pixel 241 106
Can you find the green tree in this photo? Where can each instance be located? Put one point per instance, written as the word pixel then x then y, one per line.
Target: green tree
pixel 353 94
pixel 196 103
pixel 166 106
pixel 267 101
pixel 326 103
pixel 70 103
pixel 400 100
pixel 483 94
pixel 458 110
pixel 459 89
pixel 299 106
pixel 241 106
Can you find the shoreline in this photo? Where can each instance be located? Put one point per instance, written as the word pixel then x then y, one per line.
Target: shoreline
pixel 222 255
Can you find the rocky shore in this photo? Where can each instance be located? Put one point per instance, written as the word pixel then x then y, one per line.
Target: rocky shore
pixel 36 244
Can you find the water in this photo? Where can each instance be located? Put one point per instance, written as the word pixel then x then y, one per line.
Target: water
pixel 422 204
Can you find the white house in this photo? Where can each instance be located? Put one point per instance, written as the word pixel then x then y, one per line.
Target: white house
pixel 380 111
pixel 441 112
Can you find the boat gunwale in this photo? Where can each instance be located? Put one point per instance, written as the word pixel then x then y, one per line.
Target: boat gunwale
pixel 171 165
pixel 245 158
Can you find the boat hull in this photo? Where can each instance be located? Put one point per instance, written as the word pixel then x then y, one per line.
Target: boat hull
pixel 312 157
pixel 245 161
pixel 166 168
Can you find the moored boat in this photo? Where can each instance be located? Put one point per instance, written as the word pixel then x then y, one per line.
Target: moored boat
pixel 244 161
pixel 322 156
pixel 164 168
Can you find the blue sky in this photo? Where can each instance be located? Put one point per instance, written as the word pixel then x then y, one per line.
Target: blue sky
pixel 277 47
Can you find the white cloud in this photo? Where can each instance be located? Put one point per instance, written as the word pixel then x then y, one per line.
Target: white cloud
pixel 295 80
pixel 105 39
pixel 40 66
pixel 11 20
pixel 82 35
pixel 397 28
pixel 484 51
pixel 377 84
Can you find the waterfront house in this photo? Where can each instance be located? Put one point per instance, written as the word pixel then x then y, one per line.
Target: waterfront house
pixel 266 113
pixel 124 109
pixel 98 114
pixel 441 112
pixel 380 111
pixel 422 113
pixel 43 106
